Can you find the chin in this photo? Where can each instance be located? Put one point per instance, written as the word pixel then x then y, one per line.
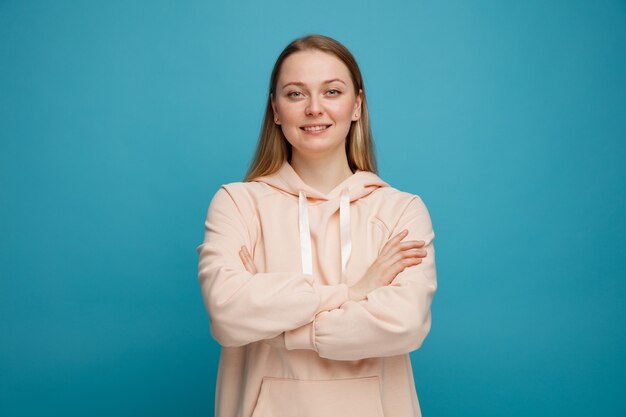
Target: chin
pixel 320 147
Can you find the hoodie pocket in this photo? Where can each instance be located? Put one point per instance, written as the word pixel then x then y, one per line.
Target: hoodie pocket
pixel 351 397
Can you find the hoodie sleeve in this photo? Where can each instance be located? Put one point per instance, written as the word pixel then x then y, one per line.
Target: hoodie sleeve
pixel 392 320
pixel 242 307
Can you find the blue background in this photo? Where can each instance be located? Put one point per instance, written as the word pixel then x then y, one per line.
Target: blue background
pixel 119 121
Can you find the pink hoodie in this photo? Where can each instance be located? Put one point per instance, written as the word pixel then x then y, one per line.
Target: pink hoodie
pixel 342 358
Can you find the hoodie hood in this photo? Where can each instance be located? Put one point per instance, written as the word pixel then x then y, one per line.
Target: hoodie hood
pixel 358 185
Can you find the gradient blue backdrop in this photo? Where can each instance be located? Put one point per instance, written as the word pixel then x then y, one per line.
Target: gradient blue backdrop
pixel 120 119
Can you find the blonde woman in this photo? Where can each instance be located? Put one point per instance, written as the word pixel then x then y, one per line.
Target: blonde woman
pixel 317 275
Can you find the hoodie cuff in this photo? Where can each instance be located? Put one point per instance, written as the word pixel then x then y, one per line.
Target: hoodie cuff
pixel 301 338
pixel 332 296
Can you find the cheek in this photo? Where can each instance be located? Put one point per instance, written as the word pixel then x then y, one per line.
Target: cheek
pixel 290 114
pixel 342 111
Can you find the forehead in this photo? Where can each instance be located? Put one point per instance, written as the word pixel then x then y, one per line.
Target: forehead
pixel 312 67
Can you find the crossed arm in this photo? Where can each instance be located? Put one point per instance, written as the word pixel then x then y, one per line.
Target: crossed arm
pixel 395 256
pixel 290 310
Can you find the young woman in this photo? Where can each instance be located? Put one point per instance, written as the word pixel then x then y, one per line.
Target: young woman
pixel 317 275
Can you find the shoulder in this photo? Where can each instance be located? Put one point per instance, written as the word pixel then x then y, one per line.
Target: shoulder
pixel 235 198
pixel 395 208
pixel 394 200
pixel 237 190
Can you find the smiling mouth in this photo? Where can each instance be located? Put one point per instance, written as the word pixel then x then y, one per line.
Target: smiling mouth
pixel 315 128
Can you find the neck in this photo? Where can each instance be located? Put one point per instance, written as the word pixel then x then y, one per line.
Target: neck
pixel 323 174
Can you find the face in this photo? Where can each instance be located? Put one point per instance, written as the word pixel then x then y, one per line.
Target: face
pixel 315 102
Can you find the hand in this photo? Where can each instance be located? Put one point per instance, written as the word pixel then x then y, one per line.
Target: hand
pixel 395 256
pixel 278 341
pixel 246 258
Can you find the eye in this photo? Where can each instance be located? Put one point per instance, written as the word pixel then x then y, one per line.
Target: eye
pixel 294 92
pixel 337 92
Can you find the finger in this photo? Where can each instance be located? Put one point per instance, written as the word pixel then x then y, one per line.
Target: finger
pixel 250 261
pixel 247 260
pixel 415 253
pixel 393 270
pixel 250 267
pixel 412 261
pixel 413 243
pixel 242 255
pixel 412 246
pixel 245 252
pixel 405 263
pixel 399 256
pixel 393 241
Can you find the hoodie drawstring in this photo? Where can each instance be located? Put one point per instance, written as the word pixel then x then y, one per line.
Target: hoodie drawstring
pixel 305 231
pixel 305 236
pixel 344 222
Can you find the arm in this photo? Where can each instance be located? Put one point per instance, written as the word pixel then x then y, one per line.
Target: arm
pixel 393 320
pixel 245 307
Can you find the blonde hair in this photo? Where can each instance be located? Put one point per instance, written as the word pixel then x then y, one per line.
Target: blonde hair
pixel 273 148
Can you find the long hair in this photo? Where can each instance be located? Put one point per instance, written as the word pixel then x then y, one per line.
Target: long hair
pixel 273 148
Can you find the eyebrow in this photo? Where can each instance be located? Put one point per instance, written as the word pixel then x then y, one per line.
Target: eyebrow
pixel 302 84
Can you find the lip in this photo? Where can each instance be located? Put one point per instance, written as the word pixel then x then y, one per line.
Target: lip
pixel 315 132
pixel 316 124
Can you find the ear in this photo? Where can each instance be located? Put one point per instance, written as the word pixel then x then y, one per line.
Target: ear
pixel 356 114
pixel 274 108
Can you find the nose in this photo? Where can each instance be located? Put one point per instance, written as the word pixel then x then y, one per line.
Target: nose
pixel 314 107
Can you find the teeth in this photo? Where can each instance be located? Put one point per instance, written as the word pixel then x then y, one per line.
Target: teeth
pixel 315 128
